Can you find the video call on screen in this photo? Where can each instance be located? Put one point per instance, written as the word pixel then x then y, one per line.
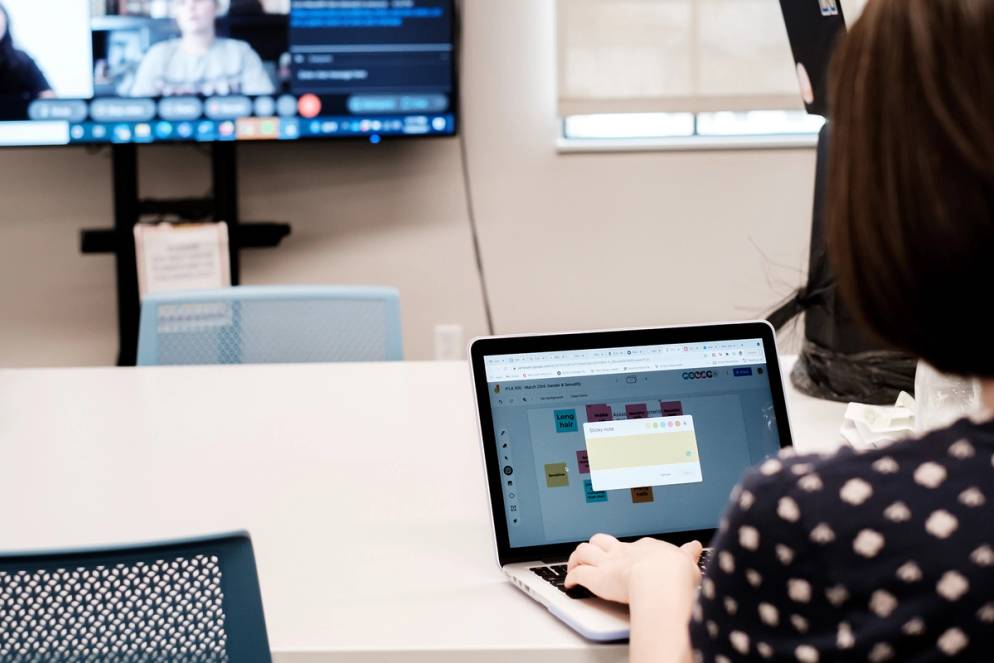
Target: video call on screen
pixel 157 70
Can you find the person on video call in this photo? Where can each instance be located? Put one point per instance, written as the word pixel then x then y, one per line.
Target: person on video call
pixel 19 75
pixel 199 62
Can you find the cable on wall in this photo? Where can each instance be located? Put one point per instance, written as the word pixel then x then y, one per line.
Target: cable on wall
pixel 468 187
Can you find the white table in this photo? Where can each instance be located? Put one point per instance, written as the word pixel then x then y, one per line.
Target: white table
pixel 361 485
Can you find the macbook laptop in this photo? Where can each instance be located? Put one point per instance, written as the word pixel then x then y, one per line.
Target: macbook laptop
pixel 633 433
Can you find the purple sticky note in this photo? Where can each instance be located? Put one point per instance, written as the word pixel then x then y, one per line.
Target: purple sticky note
pixel 599 413
pixel 671 408
pixel 637 411
pixel 581 460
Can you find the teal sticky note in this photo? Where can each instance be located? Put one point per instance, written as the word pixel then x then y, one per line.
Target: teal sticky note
pixel 566 421
pixel 593 496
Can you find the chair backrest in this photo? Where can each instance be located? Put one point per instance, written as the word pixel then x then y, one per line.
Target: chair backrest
pixel 270 324
pixel 194 601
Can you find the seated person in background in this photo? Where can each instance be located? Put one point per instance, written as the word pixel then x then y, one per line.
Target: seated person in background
pixel 19 75
pixel 199 62
pixel 886 554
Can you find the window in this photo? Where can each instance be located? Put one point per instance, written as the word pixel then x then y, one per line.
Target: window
pixel 657 69
pixel 634 126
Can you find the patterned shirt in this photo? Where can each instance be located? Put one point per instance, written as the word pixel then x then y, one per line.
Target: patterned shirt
pixel 886 555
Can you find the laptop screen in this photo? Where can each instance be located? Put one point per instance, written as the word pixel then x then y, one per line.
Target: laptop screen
pixel 631 441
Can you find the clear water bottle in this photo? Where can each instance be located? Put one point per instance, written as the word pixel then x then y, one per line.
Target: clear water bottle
pixel 943 399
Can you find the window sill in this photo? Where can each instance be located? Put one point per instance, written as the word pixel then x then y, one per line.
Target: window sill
pixel 686 144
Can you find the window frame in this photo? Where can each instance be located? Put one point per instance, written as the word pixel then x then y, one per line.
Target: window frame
pixel 693 141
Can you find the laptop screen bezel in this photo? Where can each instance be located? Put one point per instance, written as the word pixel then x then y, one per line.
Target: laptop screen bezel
pixel 491 346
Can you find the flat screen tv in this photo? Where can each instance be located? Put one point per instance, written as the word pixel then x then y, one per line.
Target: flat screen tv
pixel 148 71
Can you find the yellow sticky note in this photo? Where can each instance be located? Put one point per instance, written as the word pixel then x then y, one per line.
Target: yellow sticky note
pixel 556 475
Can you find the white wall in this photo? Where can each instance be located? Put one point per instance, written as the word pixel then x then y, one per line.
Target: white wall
pixel 61 47
pixel 570 241
pixel 592 240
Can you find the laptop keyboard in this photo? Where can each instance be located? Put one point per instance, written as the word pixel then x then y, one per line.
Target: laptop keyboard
pixel 555 574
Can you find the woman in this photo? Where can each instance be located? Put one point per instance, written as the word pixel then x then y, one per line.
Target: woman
pixel 199 62
pixel 19 75
pixel 888 554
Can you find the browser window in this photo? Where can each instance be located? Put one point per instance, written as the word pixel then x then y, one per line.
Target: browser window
pixel 628 440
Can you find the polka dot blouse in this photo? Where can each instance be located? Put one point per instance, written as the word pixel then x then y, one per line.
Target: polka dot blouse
pixel 886 555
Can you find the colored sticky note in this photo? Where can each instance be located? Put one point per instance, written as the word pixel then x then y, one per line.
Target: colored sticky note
pixel 671 408
pixel 599 413
pixel 593 496
pixel 582 462
pixel 637 411
pixel 629 454
pixel 642 495
pixel 566 421
pixel 556 475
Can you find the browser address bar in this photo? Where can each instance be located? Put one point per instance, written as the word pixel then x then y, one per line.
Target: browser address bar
pixel 574 368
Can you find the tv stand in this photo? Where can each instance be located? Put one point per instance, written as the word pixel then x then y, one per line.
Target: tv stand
pixel 130 208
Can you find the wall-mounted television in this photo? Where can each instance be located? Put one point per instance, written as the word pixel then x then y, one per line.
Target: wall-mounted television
pixel 149 71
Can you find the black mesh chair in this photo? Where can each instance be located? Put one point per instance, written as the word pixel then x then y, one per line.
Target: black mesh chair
pixel 193 601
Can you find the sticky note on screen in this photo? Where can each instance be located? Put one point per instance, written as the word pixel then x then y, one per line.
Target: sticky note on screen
pixel 599 413
pixel 635 453
pixel 556 475
pixel 566 421
pixel 593 496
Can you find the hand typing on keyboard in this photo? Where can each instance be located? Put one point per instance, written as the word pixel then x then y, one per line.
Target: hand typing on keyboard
pixel 555 575
pixel 605 565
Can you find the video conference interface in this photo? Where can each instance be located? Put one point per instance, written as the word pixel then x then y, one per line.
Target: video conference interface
pixel 629 441
pixel 160 70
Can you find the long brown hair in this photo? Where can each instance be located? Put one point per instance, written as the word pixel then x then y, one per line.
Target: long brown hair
pixel 911 177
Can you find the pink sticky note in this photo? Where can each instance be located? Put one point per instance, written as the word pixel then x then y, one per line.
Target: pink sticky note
pixel 637 411
pixel 581 460
pixel 599 413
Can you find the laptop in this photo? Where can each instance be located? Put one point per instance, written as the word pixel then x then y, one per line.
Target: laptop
pixel 633 433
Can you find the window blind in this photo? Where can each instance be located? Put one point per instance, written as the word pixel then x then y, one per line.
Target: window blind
pixel 636 56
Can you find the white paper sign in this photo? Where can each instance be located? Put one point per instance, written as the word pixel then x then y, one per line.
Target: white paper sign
pixel 182 257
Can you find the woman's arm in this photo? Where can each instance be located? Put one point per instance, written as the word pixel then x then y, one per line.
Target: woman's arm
pixel 661 595
pixel 745 606
pixel 656 579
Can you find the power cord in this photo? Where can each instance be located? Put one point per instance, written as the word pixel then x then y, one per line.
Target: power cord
pixel 468 186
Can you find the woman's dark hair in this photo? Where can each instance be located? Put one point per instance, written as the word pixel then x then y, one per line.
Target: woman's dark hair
pixel 911 177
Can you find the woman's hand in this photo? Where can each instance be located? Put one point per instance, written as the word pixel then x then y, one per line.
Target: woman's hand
pixel 607 566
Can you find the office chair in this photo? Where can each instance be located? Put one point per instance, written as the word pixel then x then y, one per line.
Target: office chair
pixel 271 324
pixel 193 601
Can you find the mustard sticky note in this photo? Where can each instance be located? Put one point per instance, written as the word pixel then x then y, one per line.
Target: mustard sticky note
pixel 556 475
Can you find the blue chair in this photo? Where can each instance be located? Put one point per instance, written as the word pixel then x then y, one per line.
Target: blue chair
pixel 195 601
pixel 270 325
